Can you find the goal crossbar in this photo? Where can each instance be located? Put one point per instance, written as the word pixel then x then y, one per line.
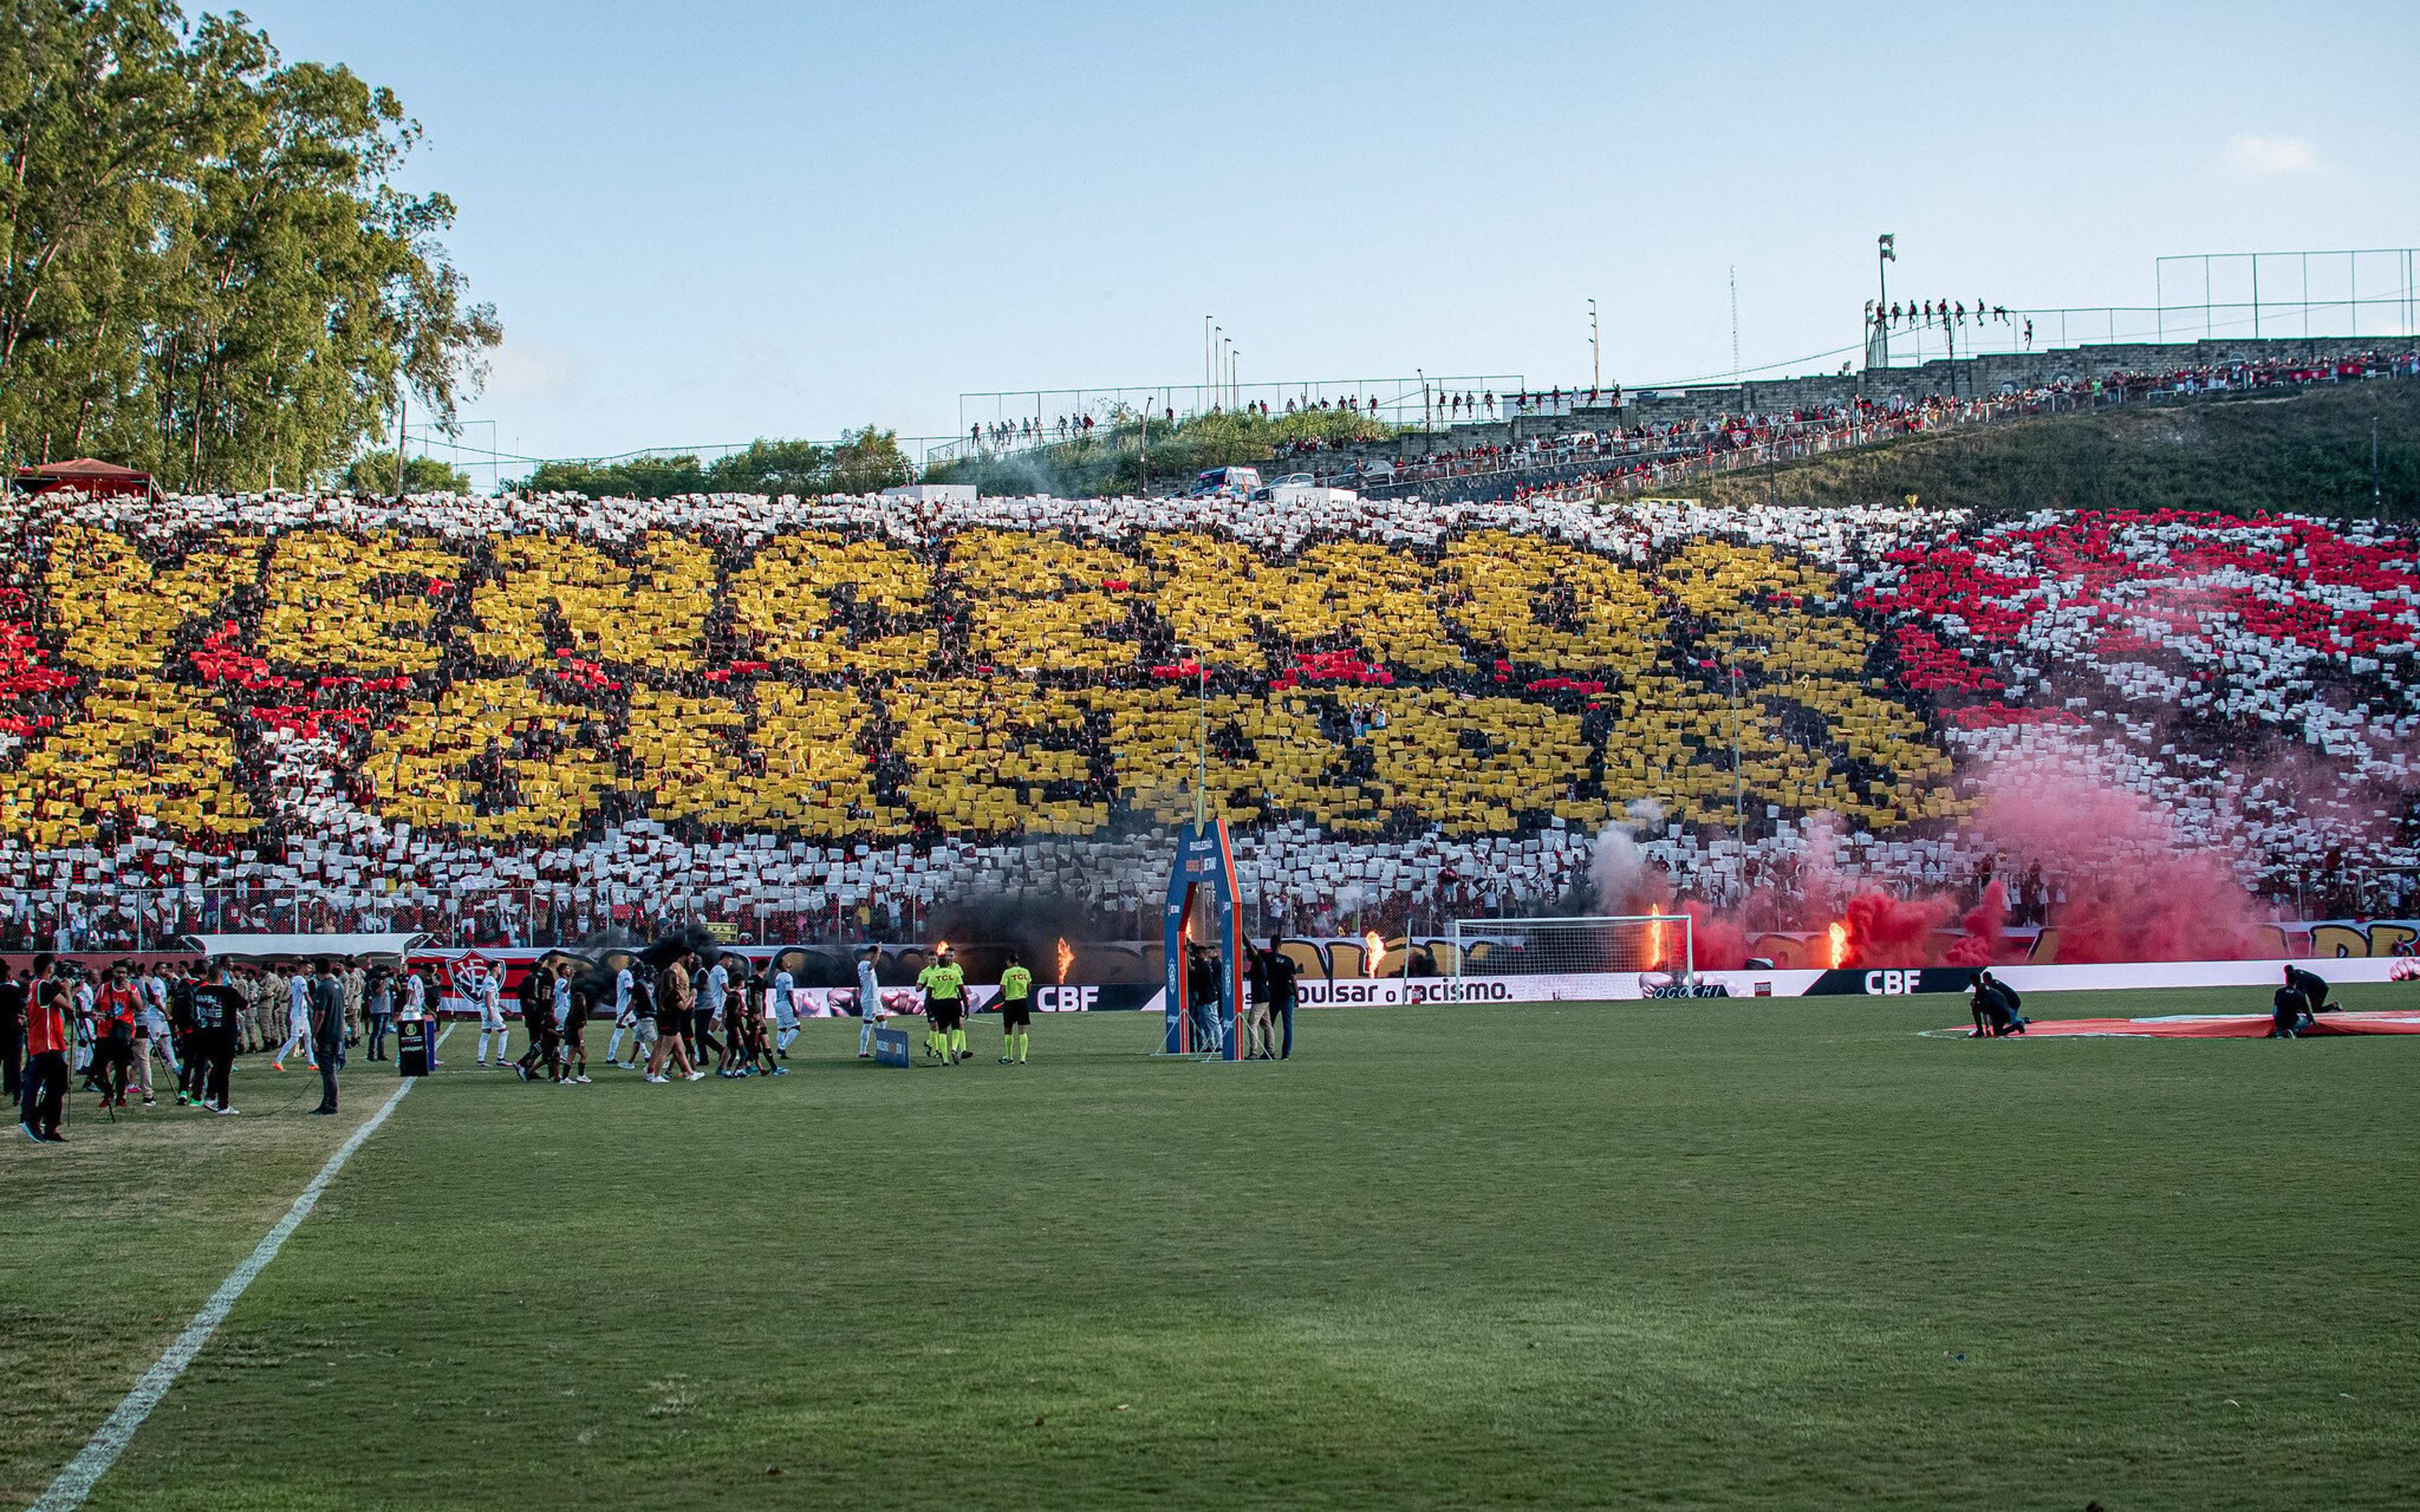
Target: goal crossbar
pixel 1578 946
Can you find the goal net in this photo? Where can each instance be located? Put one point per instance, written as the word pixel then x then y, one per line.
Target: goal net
pixel 1573 947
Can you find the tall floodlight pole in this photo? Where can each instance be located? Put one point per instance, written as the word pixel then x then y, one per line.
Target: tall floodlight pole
pixel 1885 253
pixel 1735 357
pixel 1207 329
pixel 1596 357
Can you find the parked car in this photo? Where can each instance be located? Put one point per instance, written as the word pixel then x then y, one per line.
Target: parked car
pixel 1226 483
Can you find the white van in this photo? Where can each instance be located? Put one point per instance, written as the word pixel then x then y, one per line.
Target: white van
pixel 1226 483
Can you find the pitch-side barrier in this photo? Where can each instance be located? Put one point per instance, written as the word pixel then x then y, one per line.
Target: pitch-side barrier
pixel 459 970
pixel 1847 981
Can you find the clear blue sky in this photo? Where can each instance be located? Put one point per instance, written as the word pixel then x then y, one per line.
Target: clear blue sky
pixel 707 221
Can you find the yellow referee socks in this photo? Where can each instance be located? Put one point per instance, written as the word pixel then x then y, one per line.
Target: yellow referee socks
pixel 1022 1037
pixel 957 1041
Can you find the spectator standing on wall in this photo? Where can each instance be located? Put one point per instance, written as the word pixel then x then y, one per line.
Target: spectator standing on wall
pixel 2032 901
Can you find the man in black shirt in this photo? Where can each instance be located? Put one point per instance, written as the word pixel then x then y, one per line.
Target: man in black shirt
pixel 2312 989
pixel 12 1032
pixel 1202 996
pixel 1995 1007
pixel 2289 1014
pixel 180 1032
pixel 1258 1044
pixel 327 1024
pixel 1281 996
pixel 218 1014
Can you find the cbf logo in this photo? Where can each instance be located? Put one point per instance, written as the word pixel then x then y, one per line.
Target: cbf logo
pixel 1891 984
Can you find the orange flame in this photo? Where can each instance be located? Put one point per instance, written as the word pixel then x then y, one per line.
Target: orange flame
pixel 1656 932
pixel 1374 947
pixel 1066 959
pixel 1839 934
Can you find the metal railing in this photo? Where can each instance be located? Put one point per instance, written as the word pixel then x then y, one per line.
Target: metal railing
pixel 2387 317
pixel 1038 419
pixel 1633 466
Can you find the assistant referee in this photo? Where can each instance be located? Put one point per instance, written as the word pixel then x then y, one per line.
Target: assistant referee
pixel 1015 1010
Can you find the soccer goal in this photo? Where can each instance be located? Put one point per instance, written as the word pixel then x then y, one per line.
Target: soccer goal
pixel 1575 947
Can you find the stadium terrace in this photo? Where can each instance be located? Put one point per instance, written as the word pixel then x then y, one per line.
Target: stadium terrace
pixel 524 718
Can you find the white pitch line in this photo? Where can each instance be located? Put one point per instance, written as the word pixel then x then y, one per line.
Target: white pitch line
pixel 109 1440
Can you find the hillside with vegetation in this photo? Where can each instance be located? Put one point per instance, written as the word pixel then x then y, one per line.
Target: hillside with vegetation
pixel 2307 452
pixel 1114 459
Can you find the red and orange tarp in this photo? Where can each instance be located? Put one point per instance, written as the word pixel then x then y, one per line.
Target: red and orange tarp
pixel 2217 1025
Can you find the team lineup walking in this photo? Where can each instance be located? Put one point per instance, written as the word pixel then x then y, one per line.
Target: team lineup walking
pixel 144 1033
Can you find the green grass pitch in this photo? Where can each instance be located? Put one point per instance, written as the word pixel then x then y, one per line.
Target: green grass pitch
pixel 1763 1254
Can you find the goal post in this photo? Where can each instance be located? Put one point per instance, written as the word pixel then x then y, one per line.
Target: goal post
pixel 1576 947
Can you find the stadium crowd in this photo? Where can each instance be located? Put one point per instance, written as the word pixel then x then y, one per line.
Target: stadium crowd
pixel 525 719
pixel 1650 456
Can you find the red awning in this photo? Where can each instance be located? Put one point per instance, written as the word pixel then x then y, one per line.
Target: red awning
pixel 85 474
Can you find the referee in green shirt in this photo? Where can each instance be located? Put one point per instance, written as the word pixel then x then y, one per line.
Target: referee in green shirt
pixel 1015 1010
pixel 945 1008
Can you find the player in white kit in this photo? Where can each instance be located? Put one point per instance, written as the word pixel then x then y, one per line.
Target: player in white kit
pixel 492 1020
pixel 713 990
pixel 298 1023
pixel 160 1039
pixel 624 1020
pixel 869 1001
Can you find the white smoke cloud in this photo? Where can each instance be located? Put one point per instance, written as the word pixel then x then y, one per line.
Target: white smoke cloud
pixel 1625 882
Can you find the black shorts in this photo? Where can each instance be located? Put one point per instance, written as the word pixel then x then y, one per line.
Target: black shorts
pixel 946 1013
pixel 1018 1014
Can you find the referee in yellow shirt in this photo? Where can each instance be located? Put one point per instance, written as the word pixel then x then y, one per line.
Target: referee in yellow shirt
pixel 944 984
pixel 1015 1010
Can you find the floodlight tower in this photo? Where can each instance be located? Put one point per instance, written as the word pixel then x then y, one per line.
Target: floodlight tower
pixel 1885 253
